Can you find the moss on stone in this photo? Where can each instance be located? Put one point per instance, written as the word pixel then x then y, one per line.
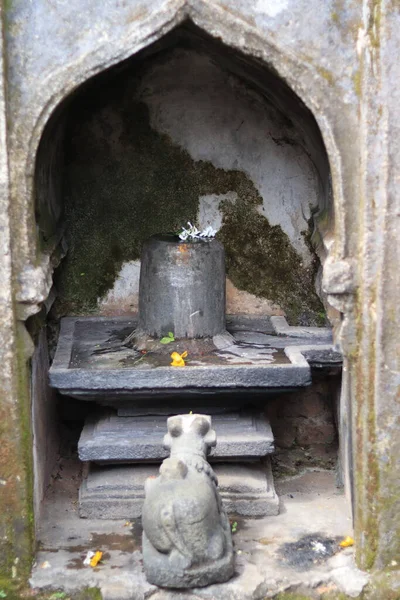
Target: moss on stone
pixel 120 188
pixel 10 590
pixel 338 596
pixel 357 82
pixel 261 260
pixel 384 585
pixel 16 498
pixel 26 517
pixel 88 594
pixel 292 596
pixel 116 199
pixel 374 23
pixel 327 75
pixel 335 17
pixel 367 472
pixel 313 595
pixel 14 591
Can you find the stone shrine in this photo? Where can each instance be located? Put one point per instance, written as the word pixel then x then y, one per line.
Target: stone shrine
pixel 277 122
pixel 139 388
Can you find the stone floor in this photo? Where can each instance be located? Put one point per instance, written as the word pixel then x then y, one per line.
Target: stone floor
pixel 296 550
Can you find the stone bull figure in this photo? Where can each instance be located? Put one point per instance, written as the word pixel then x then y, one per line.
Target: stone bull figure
pixel 186 533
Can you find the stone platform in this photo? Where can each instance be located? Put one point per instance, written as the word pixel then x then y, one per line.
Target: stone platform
pixel 258 354
pixel 92 363
pixel 109 438
pixel 117 492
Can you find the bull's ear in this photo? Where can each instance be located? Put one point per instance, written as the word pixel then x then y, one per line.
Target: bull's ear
pixel 211 438
pixel 167 442
pixel 174 425
pixel 202 424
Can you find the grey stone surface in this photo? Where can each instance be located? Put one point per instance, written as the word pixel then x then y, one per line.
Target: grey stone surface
pixel 117 492
pixel 65 538
pixel 107 437
pixel 323 357
pixel 114 492
pixel 16 482
pixel 206 403
pixel 348 578
pixel 91 362
pixel 182 288
pixel 282 327
pixel 341 61
pixel 187 540
pixel 247 490
pixel 46 436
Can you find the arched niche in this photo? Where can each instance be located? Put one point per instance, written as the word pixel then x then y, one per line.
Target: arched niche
pixel 187 128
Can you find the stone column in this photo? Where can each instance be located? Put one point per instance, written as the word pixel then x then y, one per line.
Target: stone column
pixel 375 368
pixel 15 454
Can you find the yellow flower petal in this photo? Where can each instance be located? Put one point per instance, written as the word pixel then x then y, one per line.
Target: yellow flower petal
pixel 348 541
pixel 178 362
pixel 177 359
pixel 96 559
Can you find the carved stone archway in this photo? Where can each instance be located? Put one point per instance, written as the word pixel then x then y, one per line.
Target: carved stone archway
pixel 352 251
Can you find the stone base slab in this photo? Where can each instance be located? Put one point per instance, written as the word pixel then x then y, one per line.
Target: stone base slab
pixel 108 438
pixel 117 492
pixel 92 362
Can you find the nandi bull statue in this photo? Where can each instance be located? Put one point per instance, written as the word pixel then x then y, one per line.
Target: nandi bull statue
pixel 186 533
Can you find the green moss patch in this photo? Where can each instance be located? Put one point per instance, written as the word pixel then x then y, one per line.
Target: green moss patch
pixel 262 261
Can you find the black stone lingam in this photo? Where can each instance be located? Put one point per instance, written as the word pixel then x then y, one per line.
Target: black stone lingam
pixel 182 288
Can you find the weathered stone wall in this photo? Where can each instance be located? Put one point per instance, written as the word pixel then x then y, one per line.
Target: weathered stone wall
pixel 16 483
pixel 341 59
pixel 374 372
pixel 305 426
pixel 46 436
pixel 173 139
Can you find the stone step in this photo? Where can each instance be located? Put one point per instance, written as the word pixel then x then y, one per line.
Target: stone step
pixel 108 438
pixel 117 492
